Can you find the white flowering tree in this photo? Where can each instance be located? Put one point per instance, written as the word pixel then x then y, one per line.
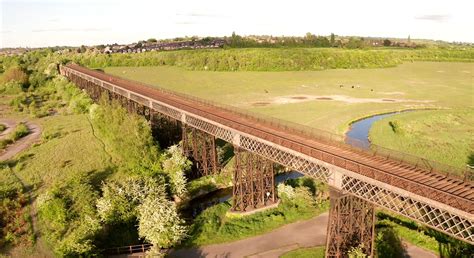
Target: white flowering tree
pixel 143 198
pixel 175 164
pixel 159 222
pixel 285 191
pixel 120 199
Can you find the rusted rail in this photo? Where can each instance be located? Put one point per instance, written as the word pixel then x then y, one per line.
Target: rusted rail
pixel 436 200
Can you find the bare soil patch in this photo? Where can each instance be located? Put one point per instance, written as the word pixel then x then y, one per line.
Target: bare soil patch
pixel 260 104
pixel 341 98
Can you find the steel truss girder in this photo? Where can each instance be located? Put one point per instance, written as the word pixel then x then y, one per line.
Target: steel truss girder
pixel 368 184
pixel 440 219
pixel 254 181
pixel 351 224
pixel 201 148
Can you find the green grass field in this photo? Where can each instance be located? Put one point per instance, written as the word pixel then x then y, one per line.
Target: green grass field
pixel 414 85
pixel 443 135
pixel 68 148
pixel 311 252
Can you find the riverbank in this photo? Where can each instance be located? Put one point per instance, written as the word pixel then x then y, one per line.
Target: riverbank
pixel 449 132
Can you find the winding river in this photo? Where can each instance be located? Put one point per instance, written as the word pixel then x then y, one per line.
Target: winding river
pixel 358 134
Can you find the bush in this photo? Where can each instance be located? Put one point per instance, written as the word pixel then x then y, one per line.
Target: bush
pixel 68 217
pixel 396 126
pixel 11 88
pixel 16 74
pixel 129 136
pixel 4 143
pixel 142 198
pixel 159 223
pixel 120 198
pixel 20 131
pixel 388 243
pixel 2 127
pixel 175 165
pixel 37 79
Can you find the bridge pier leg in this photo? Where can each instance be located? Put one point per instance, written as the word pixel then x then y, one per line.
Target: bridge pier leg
pixel 165 129
pixel 254 182
pixel 351 224
pixel 201 148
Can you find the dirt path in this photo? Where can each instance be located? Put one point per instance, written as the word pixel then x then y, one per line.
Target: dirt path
pixel 273 244
pixel 277 242
pixel 10 124
pixel 23 143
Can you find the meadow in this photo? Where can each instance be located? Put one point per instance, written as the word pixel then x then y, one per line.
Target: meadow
pixel 303 97
pixel 449 134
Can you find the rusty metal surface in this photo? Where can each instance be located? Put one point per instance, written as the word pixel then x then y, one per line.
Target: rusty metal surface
pixel 315 157
pixel 200 147
pixel 253 181
pixel 351 224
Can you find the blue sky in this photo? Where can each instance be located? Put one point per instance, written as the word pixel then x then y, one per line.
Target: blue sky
pixel 36 23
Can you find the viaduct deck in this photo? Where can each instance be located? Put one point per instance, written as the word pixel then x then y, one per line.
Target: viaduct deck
pixel 436 200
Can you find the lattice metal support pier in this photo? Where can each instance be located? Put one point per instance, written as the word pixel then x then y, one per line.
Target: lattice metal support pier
pixel 165 129
pixel 201 148
pixel 254 181
pixel 351 224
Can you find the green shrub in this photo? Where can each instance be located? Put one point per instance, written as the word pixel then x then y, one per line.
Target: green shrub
pixel 68 217
pixel 2 127
pixel 4 143
pixel 128 135
pixel 388 243
pixel 16 74
pixel 11 88
pixel 396 126
pixel 20 131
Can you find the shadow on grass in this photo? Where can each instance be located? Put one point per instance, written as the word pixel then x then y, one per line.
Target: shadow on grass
pixel 470 159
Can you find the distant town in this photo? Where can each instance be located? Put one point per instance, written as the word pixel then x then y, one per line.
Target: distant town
pixel 235 41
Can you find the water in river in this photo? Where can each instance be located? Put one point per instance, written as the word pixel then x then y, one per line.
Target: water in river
pixel 358 134
pixel 199 204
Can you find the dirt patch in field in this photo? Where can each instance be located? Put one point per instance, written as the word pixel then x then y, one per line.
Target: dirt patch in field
pixel 299 97
pixel 341 98
pixel 260 104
